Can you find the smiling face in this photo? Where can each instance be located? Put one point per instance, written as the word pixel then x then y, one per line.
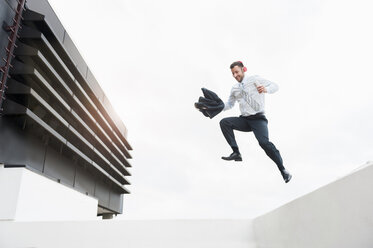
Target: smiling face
pixel 238 73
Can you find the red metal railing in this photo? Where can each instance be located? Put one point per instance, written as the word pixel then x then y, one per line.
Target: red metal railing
pixel 12 38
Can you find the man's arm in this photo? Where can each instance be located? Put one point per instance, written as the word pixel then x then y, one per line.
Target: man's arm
pixel 265 86
pixel 231 101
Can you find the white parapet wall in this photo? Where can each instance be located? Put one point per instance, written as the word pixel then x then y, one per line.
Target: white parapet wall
pixel 28 196
pixel 129 234
pixel 338 215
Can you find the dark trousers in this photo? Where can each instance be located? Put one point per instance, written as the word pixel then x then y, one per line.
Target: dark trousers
pixel 258 125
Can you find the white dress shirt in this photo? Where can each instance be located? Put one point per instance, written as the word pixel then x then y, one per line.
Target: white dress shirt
pixel 248 97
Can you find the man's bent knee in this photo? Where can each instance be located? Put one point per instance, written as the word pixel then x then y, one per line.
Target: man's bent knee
pixel 224 122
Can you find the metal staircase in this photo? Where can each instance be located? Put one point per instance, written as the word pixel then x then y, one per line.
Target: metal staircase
pixel 12 38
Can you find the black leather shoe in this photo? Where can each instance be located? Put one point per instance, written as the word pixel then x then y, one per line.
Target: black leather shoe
pixel 286 176
pixel 234 156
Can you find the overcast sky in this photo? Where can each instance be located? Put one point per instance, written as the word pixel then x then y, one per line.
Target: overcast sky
pixel 152 57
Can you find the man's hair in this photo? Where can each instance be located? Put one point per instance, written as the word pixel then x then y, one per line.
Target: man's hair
pixel 237 63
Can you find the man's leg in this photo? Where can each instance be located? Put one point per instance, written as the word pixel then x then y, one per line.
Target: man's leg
pixel 229 124
pixel 260 129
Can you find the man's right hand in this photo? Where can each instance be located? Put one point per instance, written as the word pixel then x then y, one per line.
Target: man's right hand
pixel 261 89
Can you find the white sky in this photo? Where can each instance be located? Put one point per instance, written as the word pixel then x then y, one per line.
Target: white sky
pixel 152 57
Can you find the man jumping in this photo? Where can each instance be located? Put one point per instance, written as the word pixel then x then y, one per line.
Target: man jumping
pixel 249 93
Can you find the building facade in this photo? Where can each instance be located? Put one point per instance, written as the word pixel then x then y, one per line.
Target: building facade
pixel 55 118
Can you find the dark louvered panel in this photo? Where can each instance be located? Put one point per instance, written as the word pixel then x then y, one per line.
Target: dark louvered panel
pixel 57 115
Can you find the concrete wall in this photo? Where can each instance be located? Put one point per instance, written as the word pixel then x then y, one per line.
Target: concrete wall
pixel 129 234
pixel 337 215
pixel 27 196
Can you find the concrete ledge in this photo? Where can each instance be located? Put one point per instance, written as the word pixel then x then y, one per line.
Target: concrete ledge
pixel 129 234
pixel 339 214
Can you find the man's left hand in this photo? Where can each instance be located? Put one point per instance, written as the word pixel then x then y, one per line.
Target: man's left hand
pixel 261 89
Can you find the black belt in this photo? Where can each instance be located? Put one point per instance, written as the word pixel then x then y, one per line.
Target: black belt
pixel 257 115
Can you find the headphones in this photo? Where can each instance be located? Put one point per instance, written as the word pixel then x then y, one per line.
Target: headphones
pixel 244 68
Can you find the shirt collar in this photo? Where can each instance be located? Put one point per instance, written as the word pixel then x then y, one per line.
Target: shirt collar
pixel 244 80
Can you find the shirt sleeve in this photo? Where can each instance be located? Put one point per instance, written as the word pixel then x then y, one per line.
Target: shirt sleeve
pixel 270 86
pixel 231 101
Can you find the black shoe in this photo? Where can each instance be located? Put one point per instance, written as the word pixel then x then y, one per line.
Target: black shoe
pixel 234 156
pixel 286 175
